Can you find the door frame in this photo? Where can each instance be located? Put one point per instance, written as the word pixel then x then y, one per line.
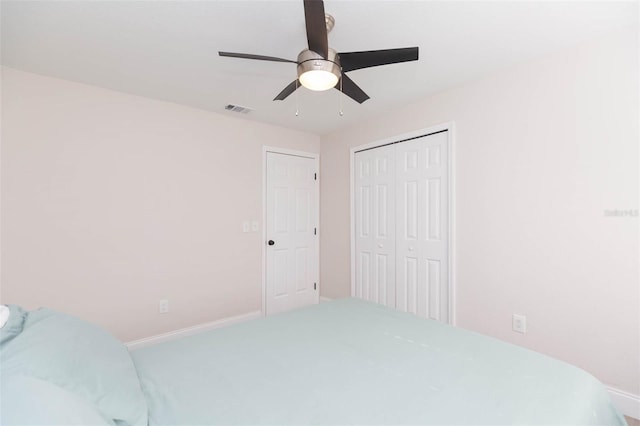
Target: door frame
pixel 450 128
pixel 316 157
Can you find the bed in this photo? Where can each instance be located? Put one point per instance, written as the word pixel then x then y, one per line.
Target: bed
pixel 340 362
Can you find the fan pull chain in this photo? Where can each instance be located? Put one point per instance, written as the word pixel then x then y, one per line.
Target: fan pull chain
pixel 297 109
pixel 340 96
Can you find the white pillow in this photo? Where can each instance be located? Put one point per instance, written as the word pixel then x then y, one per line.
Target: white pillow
pixel 79 358
pixel 4 315
pixel 29 401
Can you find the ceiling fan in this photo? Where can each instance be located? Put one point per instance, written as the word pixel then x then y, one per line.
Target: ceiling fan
pixel 322 68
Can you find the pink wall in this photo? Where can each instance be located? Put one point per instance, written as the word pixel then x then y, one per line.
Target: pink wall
pixel 111 202
pixel 542 150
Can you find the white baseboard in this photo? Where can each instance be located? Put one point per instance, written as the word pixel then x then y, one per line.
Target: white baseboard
pixel 325 299
pixel 188 331
pixel 627 403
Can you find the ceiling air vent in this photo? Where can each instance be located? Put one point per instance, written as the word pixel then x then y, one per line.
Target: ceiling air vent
pixel 238 108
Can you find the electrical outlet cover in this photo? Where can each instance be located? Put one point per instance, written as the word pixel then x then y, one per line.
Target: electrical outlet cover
pixel 519 324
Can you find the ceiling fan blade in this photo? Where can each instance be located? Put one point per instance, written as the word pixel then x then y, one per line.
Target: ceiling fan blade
pixel 316 27
pixel 352 90
pixel 356 60
pixel 287 91
pixel 258 57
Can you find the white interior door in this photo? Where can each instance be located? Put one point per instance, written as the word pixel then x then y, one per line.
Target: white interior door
pixel 401 226
pixel 291 232
pixel 375 225
pixel 422 227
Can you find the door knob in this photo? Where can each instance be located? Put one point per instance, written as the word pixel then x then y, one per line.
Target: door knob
pixel 271 242
pixel 410 248
pixel 380 245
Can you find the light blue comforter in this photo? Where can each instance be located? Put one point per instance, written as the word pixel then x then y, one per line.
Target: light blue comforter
pixel 353 362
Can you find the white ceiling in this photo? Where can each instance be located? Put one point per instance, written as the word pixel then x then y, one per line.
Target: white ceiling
pixel 168 49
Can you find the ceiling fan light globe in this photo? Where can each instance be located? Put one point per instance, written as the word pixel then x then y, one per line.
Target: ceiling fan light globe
pixel 318 80
pixel 317 73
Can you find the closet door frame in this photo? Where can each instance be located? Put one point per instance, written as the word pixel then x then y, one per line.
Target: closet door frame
pixel 450 128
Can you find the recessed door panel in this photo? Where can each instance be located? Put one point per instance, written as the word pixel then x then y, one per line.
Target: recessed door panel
pixel 365 274
pixel 281 209
pixel 433 208
pixel 303 280
pixel 434 288
pixel 382 264
pixel 280 278
pixel 302 206
pixel 382 221
pixel 410 209
pixel 365 211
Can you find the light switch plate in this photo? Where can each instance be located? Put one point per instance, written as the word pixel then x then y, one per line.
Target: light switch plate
pixel 246 226
pixel 255 226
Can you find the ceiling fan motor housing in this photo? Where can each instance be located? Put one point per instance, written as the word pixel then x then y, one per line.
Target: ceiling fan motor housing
pixel 312 63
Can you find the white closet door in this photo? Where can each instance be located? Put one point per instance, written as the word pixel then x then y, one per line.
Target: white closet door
pixel 375 262
pixel 422 228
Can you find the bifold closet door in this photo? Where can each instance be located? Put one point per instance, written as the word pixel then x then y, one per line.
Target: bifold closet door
pixel 374 187
pixel 422 227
